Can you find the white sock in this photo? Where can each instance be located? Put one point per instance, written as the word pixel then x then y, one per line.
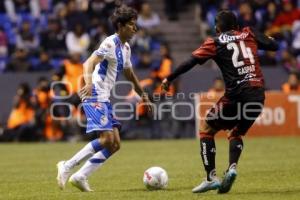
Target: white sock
pixel 94 163
pixel 87 151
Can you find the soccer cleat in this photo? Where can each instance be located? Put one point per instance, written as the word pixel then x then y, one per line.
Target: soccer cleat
pixel 207 185
pixel 62 174
pixel 227 181
pixel 81 183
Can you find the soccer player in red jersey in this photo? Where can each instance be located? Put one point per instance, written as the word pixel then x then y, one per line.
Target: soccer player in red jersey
pixel 235 52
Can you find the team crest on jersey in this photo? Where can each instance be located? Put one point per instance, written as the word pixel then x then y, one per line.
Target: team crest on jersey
pixel 108 45
pixel 97 105
pixel 103 120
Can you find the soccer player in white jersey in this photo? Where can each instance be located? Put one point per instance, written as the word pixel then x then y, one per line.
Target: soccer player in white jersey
pixel 101 70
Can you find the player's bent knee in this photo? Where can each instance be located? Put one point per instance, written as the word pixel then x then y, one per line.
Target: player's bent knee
pixel 238 131
pixel 107 141
pixel 206 129
pixel 110 147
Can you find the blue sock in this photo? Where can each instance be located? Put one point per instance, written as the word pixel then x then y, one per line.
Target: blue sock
pixel 96 145
pixel 96 161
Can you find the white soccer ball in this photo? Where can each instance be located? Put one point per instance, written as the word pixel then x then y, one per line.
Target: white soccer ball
pixel 155 178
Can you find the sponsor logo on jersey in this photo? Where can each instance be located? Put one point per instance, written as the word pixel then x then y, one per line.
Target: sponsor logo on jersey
pixel 249 77
pixel 224 38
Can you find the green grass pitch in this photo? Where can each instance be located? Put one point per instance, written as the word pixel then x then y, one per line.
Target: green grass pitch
pixel 269 169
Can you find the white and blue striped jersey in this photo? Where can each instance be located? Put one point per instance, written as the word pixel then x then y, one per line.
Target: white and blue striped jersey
pixel 116 56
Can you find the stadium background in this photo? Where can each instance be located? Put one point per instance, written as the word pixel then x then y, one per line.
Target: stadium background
pixel 38 38
pixel 269 166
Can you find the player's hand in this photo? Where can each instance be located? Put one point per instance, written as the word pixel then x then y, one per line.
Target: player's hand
pixel 165 85
pixel 271 38
pixel 85 92
pixel 148 104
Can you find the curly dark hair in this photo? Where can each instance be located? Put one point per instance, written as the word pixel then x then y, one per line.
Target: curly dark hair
pixel 122 15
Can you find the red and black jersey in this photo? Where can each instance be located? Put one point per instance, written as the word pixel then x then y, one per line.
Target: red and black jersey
pixel 235 52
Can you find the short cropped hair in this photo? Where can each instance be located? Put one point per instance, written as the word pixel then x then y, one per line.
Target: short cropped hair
pixel 226 21
pixel 122 15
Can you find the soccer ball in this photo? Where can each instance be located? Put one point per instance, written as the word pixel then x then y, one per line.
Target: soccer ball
pixel 155 178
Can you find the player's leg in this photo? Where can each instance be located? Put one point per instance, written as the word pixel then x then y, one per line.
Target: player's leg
pixel 215 121
pixel 79 179
pixel 64 167
pixel 97 115
pixel 235 148
pixel 98 159
pixel 208 153
pixel 117 140
pixel 250 112
pixel 110 140
pixel 208 150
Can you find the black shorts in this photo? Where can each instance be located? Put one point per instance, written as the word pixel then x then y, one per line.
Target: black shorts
pixel 238 112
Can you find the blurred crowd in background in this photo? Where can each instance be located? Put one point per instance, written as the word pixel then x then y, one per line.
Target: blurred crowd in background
pixel 37 35
pixel 278 18
pixel 56 36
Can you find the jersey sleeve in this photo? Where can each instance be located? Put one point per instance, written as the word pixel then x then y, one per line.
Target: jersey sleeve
pixel 128 63
pixel 206 51
pixel 104 49
pixel 263 42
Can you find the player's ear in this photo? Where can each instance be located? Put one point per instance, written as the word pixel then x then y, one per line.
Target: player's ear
pixel 217 30
pixel 119 25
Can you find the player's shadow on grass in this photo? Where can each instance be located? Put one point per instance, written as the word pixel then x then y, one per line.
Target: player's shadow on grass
pixel 162 190
pixel 133 190
pixel 179 188
pixel 267 192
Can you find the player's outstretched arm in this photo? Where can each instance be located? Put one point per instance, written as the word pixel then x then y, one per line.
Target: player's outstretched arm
pixel 88 68
pixel 130 76
pixel 182 68
pixel 265 42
